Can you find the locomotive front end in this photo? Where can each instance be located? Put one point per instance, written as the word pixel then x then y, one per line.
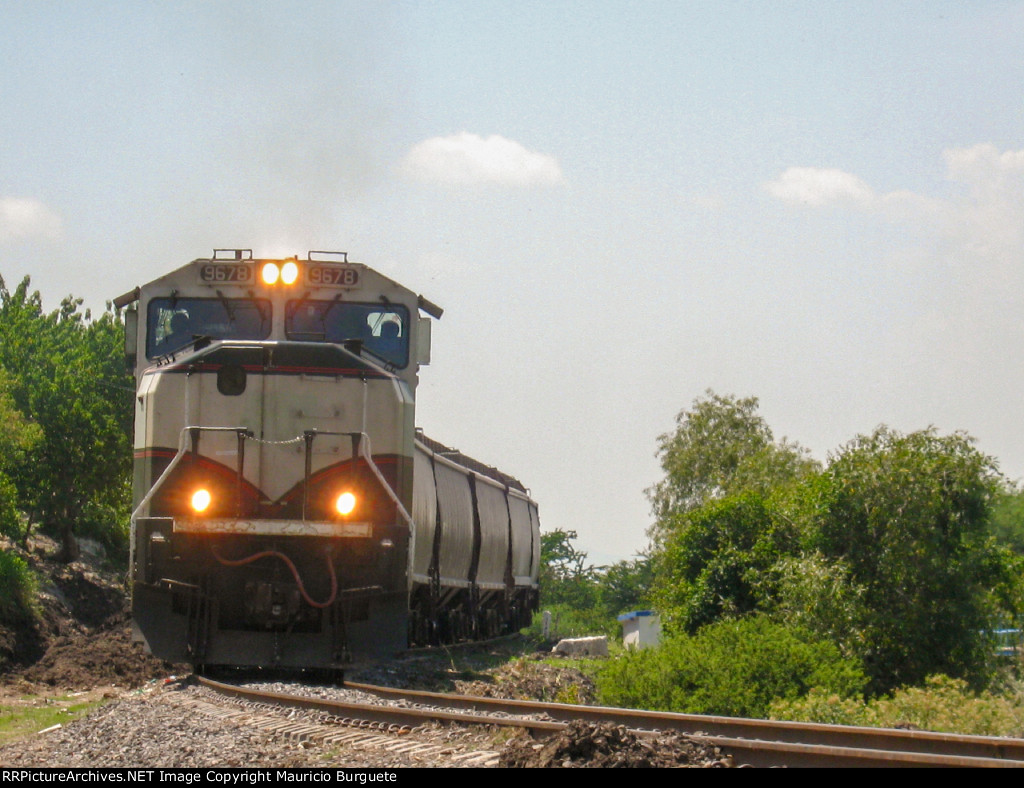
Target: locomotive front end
pixel 274 460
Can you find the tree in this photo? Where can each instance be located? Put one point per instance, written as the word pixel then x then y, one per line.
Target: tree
pixel 625 585
pixel 17 439
pixel 815 594
pixel 907 516
pixel 564 576
pixel 67 376
pixel 588 598
pixel 720 446
pixel 715 558
pixel 18 434
pixel 1007 523
pixel 887 552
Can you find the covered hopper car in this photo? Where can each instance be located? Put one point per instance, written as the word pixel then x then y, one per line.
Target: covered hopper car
pixel 287 512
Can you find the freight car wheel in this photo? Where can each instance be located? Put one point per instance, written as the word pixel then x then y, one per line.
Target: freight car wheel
pixel 431 632
pixel 457 628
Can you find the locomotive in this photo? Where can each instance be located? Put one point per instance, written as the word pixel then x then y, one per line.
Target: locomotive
pixel 287 512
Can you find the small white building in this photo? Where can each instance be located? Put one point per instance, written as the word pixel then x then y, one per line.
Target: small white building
pixel 640 629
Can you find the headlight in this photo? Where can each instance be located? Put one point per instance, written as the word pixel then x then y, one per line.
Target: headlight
pixel 270 273
pixel 345 504
pixel 201 500
pixel 289 272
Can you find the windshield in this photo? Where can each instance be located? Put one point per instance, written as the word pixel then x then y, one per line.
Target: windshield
pixel 173 323
pixel 383 329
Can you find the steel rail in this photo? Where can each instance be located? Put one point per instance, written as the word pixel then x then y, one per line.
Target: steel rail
pixel 372 712
pixel 749 742
pixel 733 727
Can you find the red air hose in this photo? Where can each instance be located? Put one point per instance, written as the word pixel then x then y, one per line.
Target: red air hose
pixel 295 573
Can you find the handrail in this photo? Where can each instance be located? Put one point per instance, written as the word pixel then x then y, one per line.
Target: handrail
pixel 190 431
pixel 360 440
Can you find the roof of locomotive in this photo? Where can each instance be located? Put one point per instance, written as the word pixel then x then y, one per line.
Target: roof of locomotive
pixel 369 278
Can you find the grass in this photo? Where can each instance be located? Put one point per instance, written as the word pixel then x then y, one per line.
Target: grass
pixel 31 714
pixel 469 661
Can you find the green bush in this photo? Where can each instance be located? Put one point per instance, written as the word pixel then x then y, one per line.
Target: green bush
pixel 733 668
pixel 944 704
pixel 108 524
pixel 17 589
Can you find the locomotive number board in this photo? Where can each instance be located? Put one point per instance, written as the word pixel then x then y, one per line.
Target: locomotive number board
pixel 238 273
pixel 332 275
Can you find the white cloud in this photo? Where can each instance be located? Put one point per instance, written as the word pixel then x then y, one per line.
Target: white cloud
pixel 466 158
pixel 24 217
pixel 820 186
pixel 990 220
pixel 974 235
pixel 983 162
pixel 995 181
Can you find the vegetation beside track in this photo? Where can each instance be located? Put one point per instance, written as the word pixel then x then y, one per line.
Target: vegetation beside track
pixel 26 715
pixel 893 563
pixel 943 704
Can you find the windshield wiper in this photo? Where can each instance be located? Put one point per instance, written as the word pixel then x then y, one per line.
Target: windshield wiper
pixel 227 307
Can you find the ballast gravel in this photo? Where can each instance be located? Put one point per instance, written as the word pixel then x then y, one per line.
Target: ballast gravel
pixel 151 731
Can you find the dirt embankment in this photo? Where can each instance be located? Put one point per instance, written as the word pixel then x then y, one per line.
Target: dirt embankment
pixel 82 636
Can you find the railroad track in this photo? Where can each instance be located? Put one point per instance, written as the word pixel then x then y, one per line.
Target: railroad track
pixel 758 743
pixel 267 712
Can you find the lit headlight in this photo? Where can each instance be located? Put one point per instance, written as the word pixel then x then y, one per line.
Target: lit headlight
pixel 289 272
pixel 270 273
pixel 345 504
pixel 201 500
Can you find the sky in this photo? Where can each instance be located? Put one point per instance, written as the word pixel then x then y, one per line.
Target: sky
pixel 619 205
